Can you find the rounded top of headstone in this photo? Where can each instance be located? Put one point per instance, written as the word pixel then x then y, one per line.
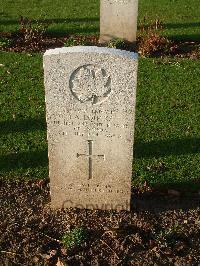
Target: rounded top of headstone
pixel 92 49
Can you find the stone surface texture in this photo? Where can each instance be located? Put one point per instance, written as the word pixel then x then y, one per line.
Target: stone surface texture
pixel 90 107
pixel 118 19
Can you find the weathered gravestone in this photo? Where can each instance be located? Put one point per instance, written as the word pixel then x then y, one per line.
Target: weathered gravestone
pixel 90 108
pixel 118 19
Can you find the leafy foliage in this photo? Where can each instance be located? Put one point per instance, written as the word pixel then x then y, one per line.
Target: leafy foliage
pixel 75 238
pixel 77 41
pixel 31 35
pixel 5 42
pixel 151 42
pixel 117 43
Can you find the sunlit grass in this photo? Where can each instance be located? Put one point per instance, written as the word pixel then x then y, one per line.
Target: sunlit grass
pixel 167 143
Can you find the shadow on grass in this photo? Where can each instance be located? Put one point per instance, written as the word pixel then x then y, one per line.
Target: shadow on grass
pixel 156 149
pixel 182 25
pixel 185 37
pixel 83 25
pixel 24 160
pixel 23 125
pixel 95 19
pixel 161 148
pixel 87 21
pixel 74 31
pixel 51 20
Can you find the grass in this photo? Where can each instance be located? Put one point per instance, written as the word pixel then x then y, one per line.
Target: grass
pixel 167 143
pixel 22 117
pixel 72 17
pixel 181 17
pixel 166 151
pixel 82 16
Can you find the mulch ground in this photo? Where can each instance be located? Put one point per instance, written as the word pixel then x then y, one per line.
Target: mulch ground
pixel 161 229
pixel 22 43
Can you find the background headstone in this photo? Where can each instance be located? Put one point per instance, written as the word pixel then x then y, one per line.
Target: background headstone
pixel 90 107
pixel 118 19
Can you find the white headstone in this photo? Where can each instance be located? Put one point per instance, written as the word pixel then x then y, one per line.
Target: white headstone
pixel 90 108
pixel 118 19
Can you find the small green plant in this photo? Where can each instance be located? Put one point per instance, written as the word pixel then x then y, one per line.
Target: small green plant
pixel 77 41
pixel 117 43
pixel 169 237
pixel 5 42
pixel 74 238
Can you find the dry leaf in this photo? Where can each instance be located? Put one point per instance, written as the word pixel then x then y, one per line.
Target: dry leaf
pixel 59 263
pixel 53 253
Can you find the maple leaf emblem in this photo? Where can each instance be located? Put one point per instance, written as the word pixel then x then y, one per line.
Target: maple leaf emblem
pixel 90 84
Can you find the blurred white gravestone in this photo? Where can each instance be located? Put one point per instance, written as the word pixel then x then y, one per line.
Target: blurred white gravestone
pixel 90 107
pixel 118 19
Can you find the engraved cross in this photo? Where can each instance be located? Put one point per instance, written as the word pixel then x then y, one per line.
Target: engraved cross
pixel 90 157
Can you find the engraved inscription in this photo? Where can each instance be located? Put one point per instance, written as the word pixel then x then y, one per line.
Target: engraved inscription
pixel 119 1
pixel 90 156
pixel 96 122
pixel 97 188
pixel 90 83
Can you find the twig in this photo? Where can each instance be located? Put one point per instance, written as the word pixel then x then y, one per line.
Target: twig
pixel 107 232
pixel 111 233
pixel 52 238
pixel 123 242
pixel 110 248
pixel 94 242
pixel 10 253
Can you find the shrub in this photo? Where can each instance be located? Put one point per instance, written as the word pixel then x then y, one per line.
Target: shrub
pixel 5 42
pixel 77 41
pixel 31 35
pixel 151 42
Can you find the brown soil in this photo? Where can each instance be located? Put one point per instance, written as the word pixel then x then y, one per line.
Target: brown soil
pixel 21 43
pixel 160 229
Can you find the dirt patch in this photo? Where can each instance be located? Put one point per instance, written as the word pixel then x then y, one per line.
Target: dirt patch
pixel 20 43
pixel 160 230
